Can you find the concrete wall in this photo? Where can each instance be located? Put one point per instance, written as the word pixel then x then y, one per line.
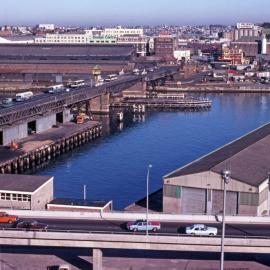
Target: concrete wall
pixel 14 133
pixel 42 196
pixel 171 205
pixel 45 123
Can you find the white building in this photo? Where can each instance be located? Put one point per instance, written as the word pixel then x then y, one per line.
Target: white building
pixel 74 38
pixel 180 54
pixel 119 31
pixel 46 26
pixel 139 42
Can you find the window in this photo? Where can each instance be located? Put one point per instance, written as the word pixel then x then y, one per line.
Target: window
pixel 8 196
pixel 26 198
pixel 14 197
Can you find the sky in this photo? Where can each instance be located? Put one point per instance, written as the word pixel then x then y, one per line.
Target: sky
pixel 132 12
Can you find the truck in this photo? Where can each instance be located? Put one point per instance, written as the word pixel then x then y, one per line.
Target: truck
pixel 56 88
pixel 142 225
pixel 24 96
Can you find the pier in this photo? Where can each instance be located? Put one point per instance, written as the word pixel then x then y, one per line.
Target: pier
pixel 165 103
pixel 37 149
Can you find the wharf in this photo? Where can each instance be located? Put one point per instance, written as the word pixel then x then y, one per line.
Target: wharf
pixel 39 148
pixel 215 89
pixel 165 103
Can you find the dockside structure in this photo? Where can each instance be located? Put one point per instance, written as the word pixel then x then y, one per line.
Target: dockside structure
pixel 197 188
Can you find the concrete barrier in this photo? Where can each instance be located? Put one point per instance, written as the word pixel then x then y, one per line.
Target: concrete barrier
pixel 133 216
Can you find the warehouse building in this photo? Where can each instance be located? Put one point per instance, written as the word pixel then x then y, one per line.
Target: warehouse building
pixel 197 188
pixel 25 192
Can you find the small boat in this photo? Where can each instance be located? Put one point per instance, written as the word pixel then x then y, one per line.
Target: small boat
pixel 120 116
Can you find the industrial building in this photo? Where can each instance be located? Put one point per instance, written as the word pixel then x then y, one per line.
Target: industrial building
pixel 197 188
pixel 25 192
pixel 165 45
pixel 246 30
pixel 30 61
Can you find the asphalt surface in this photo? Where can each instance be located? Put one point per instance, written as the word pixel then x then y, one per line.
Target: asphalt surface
pixel 171 228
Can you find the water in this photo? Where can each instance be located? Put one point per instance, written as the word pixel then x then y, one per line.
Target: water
pixel 116 166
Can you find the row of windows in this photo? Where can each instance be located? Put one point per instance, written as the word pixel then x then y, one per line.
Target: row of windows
pixel 15 197
pixel 74 41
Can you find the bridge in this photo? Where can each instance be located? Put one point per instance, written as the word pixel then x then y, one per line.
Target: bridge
pixel 49 109
pixel 111 240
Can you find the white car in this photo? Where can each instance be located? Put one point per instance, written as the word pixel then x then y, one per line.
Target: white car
pixel 201 229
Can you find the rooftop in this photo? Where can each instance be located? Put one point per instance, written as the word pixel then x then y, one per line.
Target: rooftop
pixel 63 50
pixel 22 183
pixel 247 158
pixel 79 202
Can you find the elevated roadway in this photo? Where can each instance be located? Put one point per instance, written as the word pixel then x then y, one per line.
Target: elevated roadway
pixel 47 103
pixel 99 234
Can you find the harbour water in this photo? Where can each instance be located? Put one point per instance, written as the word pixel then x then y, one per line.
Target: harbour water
pixel 115 166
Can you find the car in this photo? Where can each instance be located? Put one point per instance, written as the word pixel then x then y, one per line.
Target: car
pixel 6 218
pixel 7 102
pixel 32 225
pixel 201 229
pixel 141 225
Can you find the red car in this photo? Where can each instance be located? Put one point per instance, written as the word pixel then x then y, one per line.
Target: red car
pixel 6 218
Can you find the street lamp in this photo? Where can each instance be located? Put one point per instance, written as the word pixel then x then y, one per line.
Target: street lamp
pixel 225 177
pixel 147 196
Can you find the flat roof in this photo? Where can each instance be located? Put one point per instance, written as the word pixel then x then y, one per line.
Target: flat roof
pixel 79 202
pixel 65 50
pixel 22 183
pixel 247 158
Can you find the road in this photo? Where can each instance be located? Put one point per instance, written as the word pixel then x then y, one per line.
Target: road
pixel 174 228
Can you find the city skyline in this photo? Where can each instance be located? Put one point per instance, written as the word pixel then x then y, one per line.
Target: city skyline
pixel 120 12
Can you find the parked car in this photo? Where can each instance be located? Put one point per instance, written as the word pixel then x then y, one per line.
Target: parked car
pixel 141 225
pixel 201 229
pixel 6 218
pixel 32 225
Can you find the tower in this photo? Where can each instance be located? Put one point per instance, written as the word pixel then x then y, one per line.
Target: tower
pixel 264 44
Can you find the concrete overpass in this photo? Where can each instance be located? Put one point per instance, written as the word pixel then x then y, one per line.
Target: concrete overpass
pixel 100 240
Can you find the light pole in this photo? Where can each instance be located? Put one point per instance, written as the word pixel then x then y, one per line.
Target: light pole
pixel 147 196
pixel 84 192
pixel 225 177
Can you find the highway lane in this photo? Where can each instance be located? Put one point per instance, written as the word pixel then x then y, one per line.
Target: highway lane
pixel 113 226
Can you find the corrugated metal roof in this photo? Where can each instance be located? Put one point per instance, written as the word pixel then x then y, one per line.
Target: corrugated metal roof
pixel 247 157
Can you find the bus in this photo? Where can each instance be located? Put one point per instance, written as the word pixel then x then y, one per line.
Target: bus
pixel 75 84
pixel 55 88
pixel 111 77
pixel 24 96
